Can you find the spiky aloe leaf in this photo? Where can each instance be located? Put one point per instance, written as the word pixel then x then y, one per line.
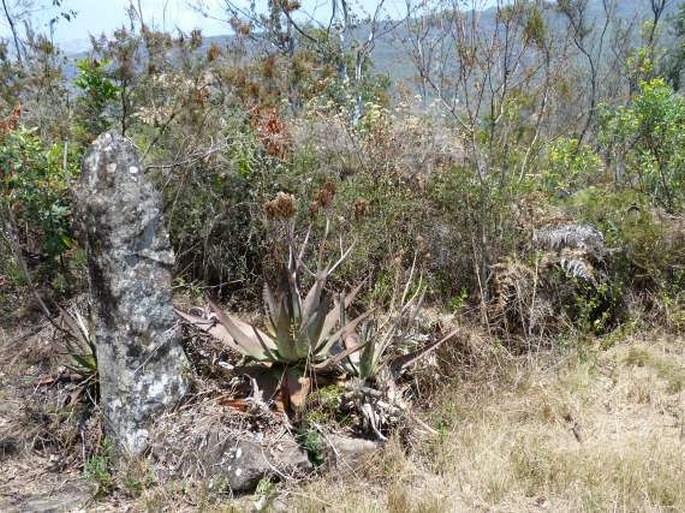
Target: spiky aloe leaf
pixel 215 329
pixel 85 363
pixel 378 342
pixel 251 342
pixel 353 347
pixel 282 325
pixel 79 344
pixel 337 315
pixel 313 299
pixel 349 298
pixel 271 355
pixel 289 285
pixel 272 307
pixel 325 347
pixel 402 362
pixel 368 362
pixel 311 331
pixel 289 302
pixel 86 334
pixel 76 328
pixel 356 361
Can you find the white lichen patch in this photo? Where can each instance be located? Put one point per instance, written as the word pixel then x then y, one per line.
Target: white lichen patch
pixel 136 440
pixel 157 388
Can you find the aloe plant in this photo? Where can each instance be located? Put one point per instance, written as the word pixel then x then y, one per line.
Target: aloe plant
pixel 382 339
pixel 387 342
pixel 79 344
pixel 299 328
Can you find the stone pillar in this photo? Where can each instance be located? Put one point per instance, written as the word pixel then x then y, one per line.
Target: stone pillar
pixel 141 364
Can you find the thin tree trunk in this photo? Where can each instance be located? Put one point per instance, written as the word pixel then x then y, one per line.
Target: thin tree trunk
pixel 10 21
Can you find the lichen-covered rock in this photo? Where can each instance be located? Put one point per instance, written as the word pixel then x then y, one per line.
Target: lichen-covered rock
pixel 224 448
pixel 244 463
pixel 141 364
pixel 236 462
pixel 349 453
pixel 68 497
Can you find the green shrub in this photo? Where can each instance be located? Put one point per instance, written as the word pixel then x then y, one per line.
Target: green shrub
pixel 646 143
pixel 98 468
pixel 34 189
pixel 214 228
pixel 98 92
pixel 384 216
pixel 646 249
pixel 570 166
pixel 471 226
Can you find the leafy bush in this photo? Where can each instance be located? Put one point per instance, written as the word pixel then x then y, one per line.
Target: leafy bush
pixel 215 227
pixel 646 143
pixel 473 224
pixel 99 92
pixel 647 246
pixel 570 166
pixel 36 202
pixel 98 468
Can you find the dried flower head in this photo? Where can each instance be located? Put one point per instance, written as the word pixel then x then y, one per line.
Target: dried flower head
pixel 283 206
pixel 195 39
pixel 361 208
pixel 241 28
pixel 291 5
pixel 213 53
pixel 324 196
pixel 271 130
pixel 314 207
pixel 10 124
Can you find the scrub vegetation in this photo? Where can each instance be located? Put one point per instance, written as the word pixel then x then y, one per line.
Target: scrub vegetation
pixel 459 232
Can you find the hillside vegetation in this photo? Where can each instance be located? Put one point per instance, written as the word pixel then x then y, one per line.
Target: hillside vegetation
pixel 497 239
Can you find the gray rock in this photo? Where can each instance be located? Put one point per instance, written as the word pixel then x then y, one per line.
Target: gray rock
pixel 245 463
pixel 142 367
pixel 236 464
pixel 70 497
pixel 349 453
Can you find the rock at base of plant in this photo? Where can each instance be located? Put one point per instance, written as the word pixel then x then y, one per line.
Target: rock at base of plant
pixel 239 465
pixel 349 453
pixel 210 443
pixel 72 496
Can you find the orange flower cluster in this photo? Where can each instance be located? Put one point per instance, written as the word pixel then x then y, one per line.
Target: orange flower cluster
pixel 272 132
pixel 361 208
pixel 322 198
pixel 283 206
pixel 9 125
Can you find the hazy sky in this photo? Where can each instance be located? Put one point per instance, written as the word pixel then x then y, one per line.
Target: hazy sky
pixel 97 16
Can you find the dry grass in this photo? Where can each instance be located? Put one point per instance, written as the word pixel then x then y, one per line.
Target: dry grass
pixel 599 432
pixel 594 431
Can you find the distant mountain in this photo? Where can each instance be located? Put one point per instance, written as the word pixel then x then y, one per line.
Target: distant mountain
pixel 390 52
